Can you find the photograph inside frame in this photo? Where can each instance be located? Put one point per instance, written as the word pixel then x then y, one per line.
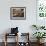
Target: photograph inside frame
pixel 18 12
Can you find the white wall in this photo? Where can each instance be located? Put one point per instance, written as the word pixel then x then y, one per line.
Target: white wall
pixel 24 25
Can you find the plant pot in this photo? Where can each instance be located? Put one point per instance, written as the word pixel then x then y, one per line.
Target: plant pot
pixel 40 41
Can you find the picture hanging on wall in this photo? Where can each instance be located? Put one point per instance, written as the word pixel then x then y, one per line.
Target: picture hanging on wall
pixel 18 13
pixel 41 8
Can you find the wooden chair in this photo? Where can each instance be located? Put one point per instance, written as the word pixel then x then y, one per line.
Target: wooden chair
pixel 8 34
pixel 27 43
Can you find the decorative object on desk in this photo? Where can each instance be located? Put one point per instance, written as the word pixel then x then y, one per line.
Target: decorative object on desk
pixel 14 30
pixel 18 13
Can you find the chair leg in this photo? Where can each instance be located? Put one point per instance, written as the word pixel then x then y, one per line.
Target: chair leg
pixel 5 43
pixel 5 40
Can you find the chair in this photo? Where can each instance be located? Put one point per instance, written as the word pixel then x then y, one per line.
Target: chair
pixel 26 37
pixel 14 32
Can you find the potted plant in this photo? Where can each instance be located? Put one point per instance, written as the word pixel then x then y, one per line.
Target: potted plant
pixel 39 35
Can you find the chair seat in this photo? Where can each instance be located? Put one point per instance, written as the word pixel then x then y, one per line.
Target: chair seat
pixel 9 34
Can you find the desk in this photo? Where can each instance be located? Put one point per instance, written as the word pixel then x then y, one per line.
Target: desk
pixel 8 34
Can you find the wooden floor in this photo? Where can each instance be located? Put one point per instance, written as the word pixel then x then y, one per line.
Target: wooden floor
pixel 13 44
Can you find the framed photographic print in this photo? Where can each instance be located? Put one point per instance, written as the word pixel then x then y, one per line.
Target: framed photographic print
pixel 18 13
pixel 41 8
pixel 41 12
